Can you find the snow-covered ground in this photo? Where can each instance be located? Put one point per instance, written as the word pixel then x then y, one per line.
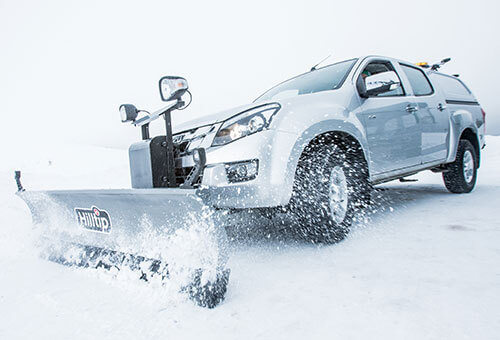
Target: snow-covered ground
pixel 425 265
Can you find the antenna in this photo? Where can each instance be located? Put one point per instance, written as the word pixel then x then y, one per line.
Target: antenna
pixel 436 67
pixel 314 67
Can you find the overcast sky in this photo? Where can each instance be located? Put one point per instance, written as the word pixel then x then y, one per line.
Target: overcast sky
pixel 66 66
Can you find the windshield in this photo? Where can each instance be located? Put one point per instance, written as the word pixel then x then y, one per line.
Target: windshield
pixel 330 77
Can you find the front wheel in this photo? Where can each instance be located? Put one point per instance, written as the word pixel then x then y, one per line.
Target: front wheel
pixel 461 175
pixel 329 188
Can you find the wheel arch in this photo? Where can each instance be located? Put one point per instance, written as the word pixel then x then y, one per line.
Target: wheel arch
pixel 346 136
pixel 347 143
pixel 472 137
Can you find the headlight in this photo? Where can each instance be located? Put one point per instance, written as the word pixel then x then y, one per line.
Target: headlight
pixel 245 123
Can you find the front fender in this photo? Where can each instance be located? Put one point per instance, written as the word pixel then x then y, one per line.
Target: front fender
pixel 308 116
pixel 315 130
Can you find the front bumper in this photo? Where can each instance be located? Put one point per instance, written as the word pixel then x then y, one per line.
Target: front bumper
pixel 271 187
pixel 273 184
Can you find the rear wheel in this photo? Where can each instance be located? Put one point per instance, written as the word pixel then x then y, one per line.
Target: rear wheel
pixel 461 175
pixel 329 187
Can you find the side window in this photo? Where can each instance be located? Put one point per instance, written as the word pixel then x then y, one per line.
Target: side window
pixel 419 82
pixel 452 87
pixel 376 67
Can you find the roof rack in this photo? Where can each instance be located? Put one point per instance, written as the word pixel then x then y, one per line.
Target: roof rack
pixel 434 67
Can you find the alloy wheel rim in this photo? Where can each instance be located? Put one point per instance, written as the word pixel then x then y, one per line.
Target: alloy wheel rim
pixel 468 166
pixel 338 195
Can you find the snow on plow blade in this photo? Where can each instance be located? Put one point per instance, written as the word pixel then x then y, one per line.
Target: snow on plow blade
pixel 158 232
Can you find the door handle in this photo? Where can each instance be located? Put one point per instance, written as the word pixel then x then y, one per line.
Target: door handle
pixel 441 107
pixel 372 116
pixel 411 108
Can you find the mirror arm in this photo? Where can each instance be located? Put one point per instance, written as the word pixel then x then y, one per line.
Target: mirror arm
pixel 145 131
pixel 155 115
pixel 169 144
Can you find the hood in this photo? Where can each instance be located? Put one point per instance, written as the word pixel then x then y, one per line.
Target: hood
pixel 211 118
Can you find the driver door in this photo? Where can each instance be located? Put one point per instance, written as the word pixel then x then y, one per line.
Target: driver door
pixel 392 130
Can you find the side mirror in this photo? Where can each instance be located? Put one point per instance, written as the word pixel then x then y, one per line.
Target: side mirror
pixel 380 83
pixel 128 113
pixel 172 88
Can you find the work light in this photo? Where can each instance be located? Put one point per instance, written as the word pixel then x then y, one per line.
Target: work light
pixel 172 88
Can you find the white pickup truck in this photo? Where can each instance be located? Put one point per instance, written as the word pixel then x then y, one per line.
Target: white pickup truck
pixel 315 144
pixel 312 146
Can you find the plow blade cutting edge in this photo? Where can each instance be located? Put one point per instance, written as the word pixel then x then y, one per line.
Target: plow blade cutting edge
pixel 160 233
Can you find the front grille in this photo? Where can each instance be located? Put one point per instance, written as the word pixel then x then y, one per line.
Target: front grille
pixel 182 173
pixel 182 143
pixel 182 147
pixel 183 140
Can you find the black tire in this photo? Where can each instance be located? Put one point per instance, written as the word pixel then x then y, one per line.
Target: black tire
pixel 310 207
pixel 454 178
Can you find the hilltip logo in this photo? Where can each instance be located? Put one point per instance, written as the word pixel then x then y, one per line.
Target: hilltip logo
pixel 94 219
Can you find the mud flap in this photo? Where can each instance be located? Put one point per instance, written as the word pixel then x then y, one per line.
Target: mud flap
pixel 165 225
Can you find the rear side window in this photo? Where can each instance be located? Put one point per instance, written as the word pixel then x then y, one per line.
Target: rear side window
pixel 451 86
pixel 419 82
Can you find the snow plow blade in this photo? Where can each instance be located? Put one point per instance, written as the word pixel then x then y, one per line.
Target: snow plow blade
pixel 160 233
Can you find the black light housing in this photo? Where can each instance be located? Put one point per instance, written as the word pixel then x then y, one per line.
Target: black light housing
pixel 172 88
pixel 242 171
pixel 128 113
